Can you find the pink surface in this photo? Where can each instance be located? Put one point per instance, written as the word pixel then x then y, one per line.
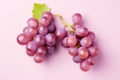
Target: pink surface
pixel 100 16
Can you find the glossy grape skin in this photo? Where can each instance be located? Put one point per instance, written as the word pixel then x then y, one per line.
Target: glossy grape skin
pixel 77 59
pixel 81 31
pixel 52 27
pixel 50 39
pixel 85 66
pixel 22 39
pixel 86 42
pixel 83 52
pixel 41 50
pixel 94 51
pixel 73 51
pixel 30 53
pixel 31 46
pixel 39 40
pixel 77 18
pixel 91 60
pixel 32 22
pixel 46 18
pixel 42 30
pixel 60 33
pixel 64 42
pixel 71 41
pixel 39 58
pixel 30 31
pixel 91 35
pixel 50 50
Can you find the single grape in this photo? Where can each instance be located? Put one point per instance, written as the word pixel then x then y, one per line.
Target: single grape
pixel 71 41
pixel 41 50
pixel 93 51
pixel 42 30
pixel 46 18
pixel 50 50
pixel 77 59
pixel 30 31
pixel 73 51
pixel 86 42
pixel 23 39
pixel 30 53
pixel 32 22
pixel 85 66
pixel 39 58
pixel 48 15
pixel 39 40
pixel 83 52
pixel 52 27
pixel 91 60
pixel 91 35
pixel 31 46
pixel 81 31
pixel 50 39
pixel 60 33
pixel 77 18
pixel 64 42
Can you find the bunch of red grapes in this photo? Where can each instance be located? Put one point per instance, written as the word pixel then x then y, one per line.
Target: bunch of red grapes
pixel 41 37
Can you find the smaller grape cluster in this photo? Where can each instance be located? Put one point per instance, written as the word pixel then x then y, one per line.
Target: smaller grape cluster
pixel 39 37
pixel 81 44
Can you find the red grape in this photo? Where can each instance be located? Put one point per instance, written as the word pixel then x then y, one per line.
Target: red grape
pixel 32 22
pixel 86 42
pixel 71 41
pixel 85 66
pixel 83 52
pixel 23 39
pixel 77 18
pixel 73 51
pixel 50 39
pixel 93 51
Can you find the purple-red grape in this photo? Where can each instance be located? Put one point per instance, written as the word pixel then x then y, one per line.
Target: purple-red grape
pixel 85 66
pixel 50 50
pixel 73 51
pixel 41 50
pixel 91 35
pixel 42 30
pixel 64 42
pixel 93 51
pixel 83 52
pixel 39 58
pixel 30 31
pixel 39 40
pixel 91 60
pixel 81 31
pixel 52 27
pixel 30 53
pixel 46 18
pixel 32 22
pixel 86 42
pixel 71 41
pixel 77 18
pixel 77 59
pixel 60 33
pixel 50 39
pixel 23 39
pixel 31 46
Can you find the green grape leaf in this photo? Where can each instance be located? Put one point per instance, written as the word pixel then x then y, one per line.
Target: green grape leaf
pixel 39 9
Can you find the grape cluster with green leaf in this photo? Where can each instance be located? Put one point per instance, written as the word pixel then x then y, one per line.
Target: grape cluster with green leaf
pixel 42 35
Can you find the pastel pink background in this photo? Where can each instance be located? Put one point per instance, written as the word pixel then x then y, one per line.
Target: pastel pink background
pixel 100 16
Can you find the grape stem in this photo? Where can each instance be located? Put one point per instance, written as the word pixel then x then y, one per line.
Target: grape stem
pixel 65 23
